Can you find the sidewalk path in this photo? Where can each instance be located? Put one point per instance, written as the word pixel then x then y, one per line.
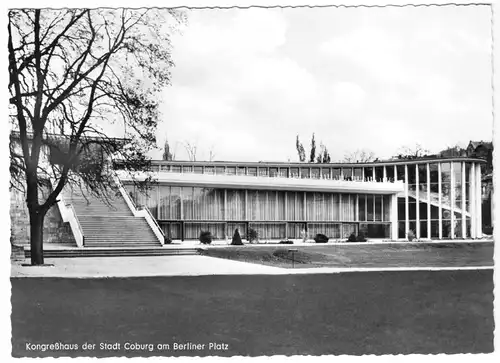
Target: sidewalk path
pixel 103 267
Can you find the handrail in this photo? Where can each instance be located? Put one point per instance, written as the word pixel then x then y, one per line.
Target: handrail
pixel 144 207
pixel 65 212
pixel 72 207
pixel 138 211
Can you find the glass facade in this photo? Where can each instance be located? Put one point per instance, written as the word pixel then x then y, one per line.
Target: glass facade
pixel 440 200
pixel 184 211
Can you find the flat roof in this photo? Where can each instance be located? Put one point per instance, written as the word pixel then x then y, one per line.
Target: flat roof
pixel 304 164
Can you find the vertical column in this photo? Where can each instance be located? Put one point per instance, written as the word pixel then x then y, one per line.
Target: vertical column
pixel 374 202
pixel 366 207
pixel 472 200
pixel 295 216
pixel 395 173
pixel 341 174
pixel 266 207
pixel 314 215
pixel 394 216
pixel 452 200
pixel 305 207
pixel 363 174
pixel 182 202
pixel 357 208
pixel 225 204
pixel 417 201
pixel 349 204
pixel 382 208
pixel 276 208
pixel 428 201
pixel 385 175
pixel 479 220
pixel 464 209
pixel 158 199
pixel 407 206
pixel 286 216
pixel 246 205
pixel 341 209
pixel 440 203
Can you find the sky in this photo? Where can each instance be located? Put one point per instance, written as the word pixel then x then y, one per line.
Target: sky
pixel 247 81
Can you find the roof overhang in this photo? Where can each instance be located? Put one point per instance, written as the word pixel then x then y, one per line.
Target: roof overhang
pixel 268 183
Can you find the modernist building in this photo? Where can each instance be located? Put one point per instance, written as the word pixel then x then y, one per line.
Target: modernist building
pixel 436 198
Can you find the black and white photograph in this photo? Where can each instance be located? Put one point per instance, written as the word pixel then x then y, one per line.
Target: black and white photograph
pixel 250 180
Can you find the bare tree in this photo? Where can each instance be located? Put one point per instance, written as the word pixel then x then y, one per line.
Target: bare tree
pixel 191 149
pixel 359 156
pixel 72 71
pixel 211 153
pixel 412 152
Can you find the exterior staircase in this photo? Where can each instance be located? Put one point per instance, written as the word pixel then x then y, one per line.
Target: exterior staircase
pixel 110 224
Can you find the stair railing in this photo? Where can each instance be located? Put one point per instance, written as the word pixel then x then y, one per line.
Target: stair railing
pixel 148 211
pixel 141 211
pixel 79 236
pixel 68 214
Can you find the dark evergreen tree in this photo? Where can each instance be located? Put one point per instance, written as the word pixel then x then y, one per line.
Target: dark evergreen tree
pixel 312 156
pixel 236 238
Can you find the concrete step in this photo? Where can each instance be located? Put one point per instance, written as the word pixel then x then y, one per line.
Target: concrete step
pixel 116 252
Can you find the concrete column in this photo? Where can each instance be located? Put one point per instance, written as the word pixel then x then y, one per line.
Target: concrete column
pixel 417 201
pixel 452 200
pixel 182 202
pixel 464 211
pixel 407 206
pixel 428 201
pixel 357 208
pixel 472 201
pixel 363 174
pixel 373 206
pixel 395 173
pixel 385 175
pixel 225 204
pixel 341 211
pixel 158 200
pixel 286 214
pixel 296 206
pixel 333 204
pixel 305 206
pixel 366 207
pixel 246 205
pixel 394 216
pixel 440 203
pixel 479 200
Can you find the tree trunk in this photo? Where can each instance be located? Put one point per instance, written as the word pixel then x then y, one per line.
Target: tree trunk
pixel 36 238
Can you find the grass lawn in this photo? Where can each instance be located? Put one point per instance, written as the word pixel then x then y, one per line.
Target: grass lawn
pixel 386 255
pixel 352 313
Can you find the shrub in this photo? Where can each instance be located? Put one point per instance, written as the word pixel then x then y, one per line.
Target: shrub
pixel 361 238
pixel 252 235
pixel 352 238
pixel 320 238
pixel 236 238
pixel 167 240
pixel 411 235
pixel 206 237
pixel 286 242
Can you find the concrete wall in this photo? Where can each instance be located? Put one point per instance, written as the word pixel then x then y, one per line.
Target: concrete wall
pixel 54 230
